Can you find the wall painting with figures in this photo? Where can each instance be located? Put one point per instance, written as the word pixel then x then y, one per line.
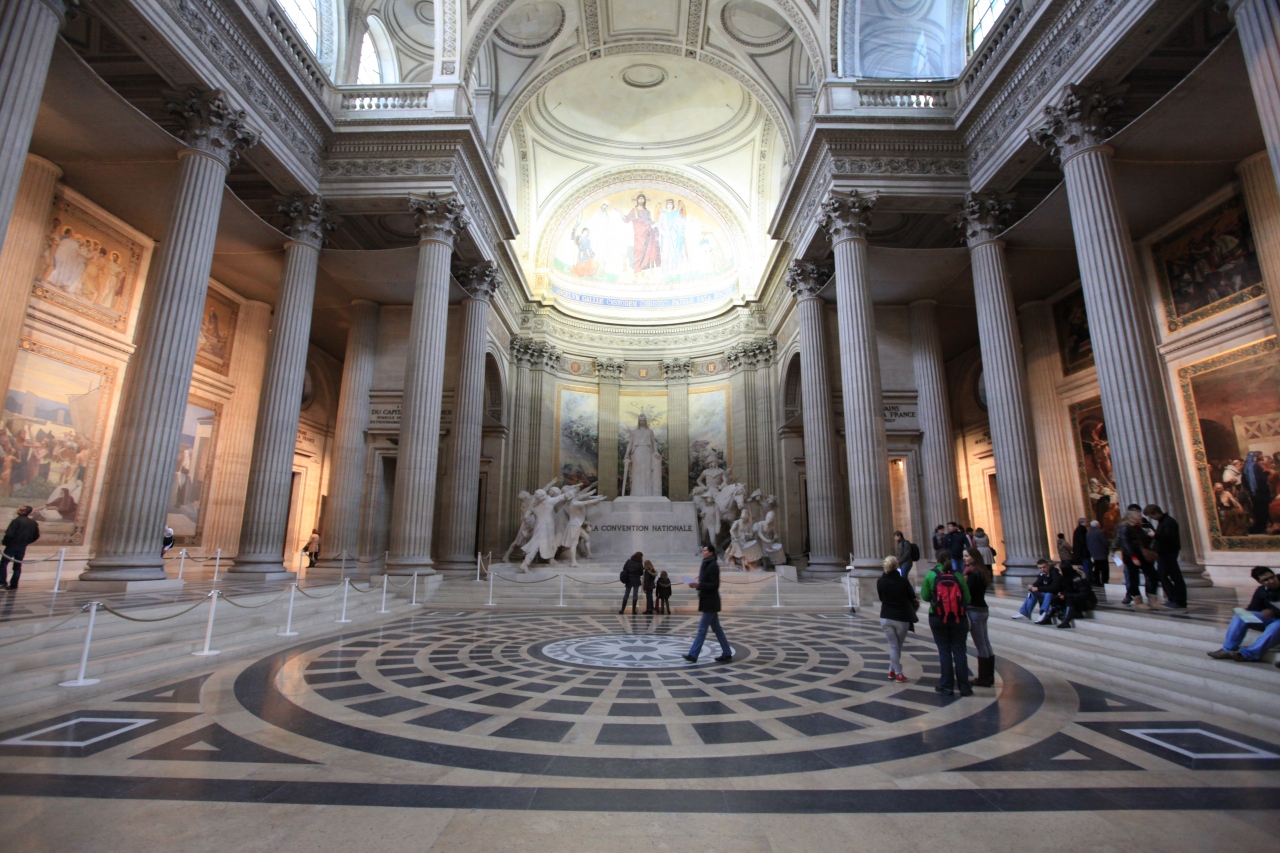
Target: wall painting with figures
pixel 708 428
pixel 1208 265
pixel 217 332
pixel 88 265
pixel 193 470
pixel 55 419
pixel 1232 403
pixel 653 405
pixel 1072 324
pixel 578 428
pixel 1093 457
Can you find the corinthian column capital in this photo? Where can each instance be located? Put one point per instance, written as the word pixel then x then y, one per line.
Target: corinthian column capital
pixel 847 216
pixel 307 218
pixel 1080 120
pixel 677 368
pixel 806 279
pixel 480 281
pixel 209 124
pixel 610 369
pixel 983 217
pixel 439 218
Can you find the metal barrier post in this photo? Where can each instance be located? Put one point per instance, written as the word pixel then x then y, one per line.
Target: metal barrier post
pixel 848 588
pixel 182 561
pixel 777 590
pixel 478 561
pixel 384 593
pixel 217 561
pixel 288 623
pixel 80 680
pixel 343 573
pixel 561 604
pixel 346 584
pixel 490 602
pixel 57 579
pixel 415 603
pixel 208 628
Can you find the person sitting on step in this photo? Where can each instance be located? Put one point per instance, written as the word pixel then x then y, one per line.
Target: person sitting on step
pixel 1075 595
pixel 1262 614
pixel 1041 592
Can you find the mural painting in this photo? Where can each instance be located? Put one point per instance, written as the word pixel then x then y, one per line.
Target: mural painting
pixel 55 416
pixel 193 469
pixel 708 428
pixel 1233 409
pixel 1208 266
pixel 1093 456
pixel 1072 325
pixel 88 266
pixel 217 332
pixel 653 405
pixel 578 425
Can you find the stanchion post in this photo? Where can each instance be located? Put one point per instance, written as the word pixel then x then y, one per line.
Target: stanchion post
pixel 478 561
pixel 777 590
pixel 288 623
pixel 490 602
pixel 182 562
pixel 346 584
pixel 208 628
pixel 57 579
pixel 414 603
pixel 561 604
pixel 848 588
pixel 217 561
pixel 80 680
pixel 384 594
pixel 343 572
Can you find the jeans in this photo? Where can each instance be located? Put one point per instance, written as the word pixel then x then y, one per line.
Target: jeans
pixel 648 601
pixel 1238 628
pixel 1045 599
pixel 952 655
pixel 17 553
pixel 978 627
pixel 1170 575
pixel 634 592
pixel 712 621
pixel 904 569
pixel 896 633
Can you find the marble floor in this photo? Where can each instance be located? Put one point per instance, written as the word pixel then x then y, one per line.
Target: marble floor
pixel 580 731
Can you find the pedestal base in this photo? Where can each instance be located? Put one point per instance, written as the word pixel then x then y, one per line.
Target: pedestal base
pixel 124 586
pixel 259 577
pixel 651 525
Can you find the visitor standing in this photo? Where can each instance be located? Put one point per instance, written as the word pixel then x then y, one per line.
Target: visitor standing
pixel 983 543
pixel 898 604
pixel 663 589
pixel 632 572
pixel 1167 543
pixel 907 553
pixel 1080 546
pixel 312 549
pixel 1099 548
pixel 648 581
pixel 975 577
pixel 1137 562
pixel 939 539
pixel 1064 550
pixel 948 597
pixel 167 542
pixel 956 542
pixel 22 531
pixel 708 587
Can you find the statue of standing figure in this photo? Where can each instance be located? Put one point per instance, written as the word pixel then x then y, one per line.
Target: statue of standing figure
pixel 543 542
pixel 575 530
pixel 642 470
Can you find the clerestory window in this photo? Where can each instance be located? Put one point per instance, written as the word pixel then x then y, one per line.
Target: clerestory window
pixel 982 16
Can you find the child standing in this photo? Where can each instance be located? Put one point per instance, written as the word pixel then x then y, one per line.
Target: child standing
pixel 664 593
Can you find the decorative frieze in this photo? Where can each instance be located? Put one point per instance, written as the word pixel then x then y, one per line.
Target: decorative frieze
pixel 399 168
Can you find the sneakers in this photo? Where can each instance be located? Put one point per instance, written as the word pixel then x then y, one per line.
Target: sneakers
pixel 1045 619
pixel 893 676
pixel 902 679
pixel 1065 625
pixel 1017 616
pixel 943 691
pixel 1220 654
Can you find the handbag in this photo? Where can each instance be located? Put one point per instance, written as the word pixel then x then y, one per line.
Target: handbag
pixel 622 576
pixel 1149 555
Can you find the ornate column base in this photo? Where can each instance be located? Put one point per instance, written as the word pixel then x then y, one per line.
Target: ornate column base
pixel 129 569
pixel 407 565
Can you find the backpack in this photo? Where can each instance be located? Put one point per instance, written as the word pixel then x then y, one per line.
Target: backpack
pixel 915 552
pixel 948 598
pixel 622 576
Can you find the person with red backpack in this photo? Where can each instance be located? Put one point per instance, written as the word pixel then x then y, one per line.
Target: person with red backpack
pixel 948 596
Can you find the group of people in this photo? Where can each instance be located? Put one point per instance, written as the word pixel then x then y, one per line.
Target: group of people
pixel 1145 546
pixel 551 519
pixel 44 459
pixel 638 573
pixel 1244 493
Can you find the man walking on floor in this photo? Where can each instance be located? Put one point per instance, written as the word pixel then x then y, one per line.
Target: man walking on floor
pixel 22 531
pixel 708 587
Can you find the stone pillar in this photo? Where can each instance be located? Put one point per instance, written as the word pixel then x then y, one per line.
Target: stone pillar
pixel 522 354
pixel 1258 22
pixel 458 510
pixel 1059 477
pixel 341 533
pixel 1262 200
pixel 235 432
pixel 22 249
pixel 153 402
pixel 677 373
pixel 805 281
pixel 610 373
pixel 766 434
pixel 847 218
pixel 740 358
pixel 1021 507
pixel 933 407
pixel 28 30
pixel 266 507
pixel 1143 453
pixel 413 506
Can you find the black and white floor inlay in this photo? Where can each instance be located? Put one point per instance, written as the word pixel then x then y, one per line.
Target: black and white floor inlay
pixel 628 651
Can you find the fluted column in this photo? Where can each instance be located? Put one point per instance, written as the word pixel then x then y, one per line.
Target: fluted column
pixel 28 30
pixel 610 373
pixel 1059 477
pixel 136 493
pixel 1258 22
pixel 266 506
pixel 1262 200
pixel 740 358
pixel 805 281
pixel 766 435
pixel 542 420
pixel 677 371
pixel 847 218
pixel 1012 442
pixel 341 533
pixel 21 251
pixel 1143 453
pixel 522 353
pixel 413 506
pixel 933 409
pixel 458 510
pixel 235 430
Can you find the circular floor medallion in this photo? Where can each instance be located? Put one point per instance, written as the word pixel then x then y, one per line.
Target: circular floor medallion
pixel 628 651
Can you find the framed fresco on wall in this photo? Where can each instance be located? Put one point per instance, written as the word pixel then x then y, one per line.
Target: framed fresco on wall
pixel 1208 265
pixel 578 431
pixel 653 405
pixel 193 470
pixel 88 265
pixel 1071 322
pixel 217 332
pixel 1232 402
pixel 709 428
pixel 1093 460
pixel 55 420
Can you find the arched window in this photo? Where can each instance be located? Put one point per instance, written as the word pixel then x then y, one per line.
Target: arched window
pixel 982 15
pixel 370 70
pixel 377 56
pixel 305 17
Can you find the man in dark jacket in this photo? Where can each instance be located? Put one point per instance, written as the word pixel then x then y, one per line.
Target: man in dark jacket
pixel 22 531
pixel 1042 590
pixel 1135 538
pixel 1265 610
pixel 1080 546
pixel 633 575
pixel 1167 543
pixel 1099 549
pixel 903 549
pixel 708 587
pixel 956 542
